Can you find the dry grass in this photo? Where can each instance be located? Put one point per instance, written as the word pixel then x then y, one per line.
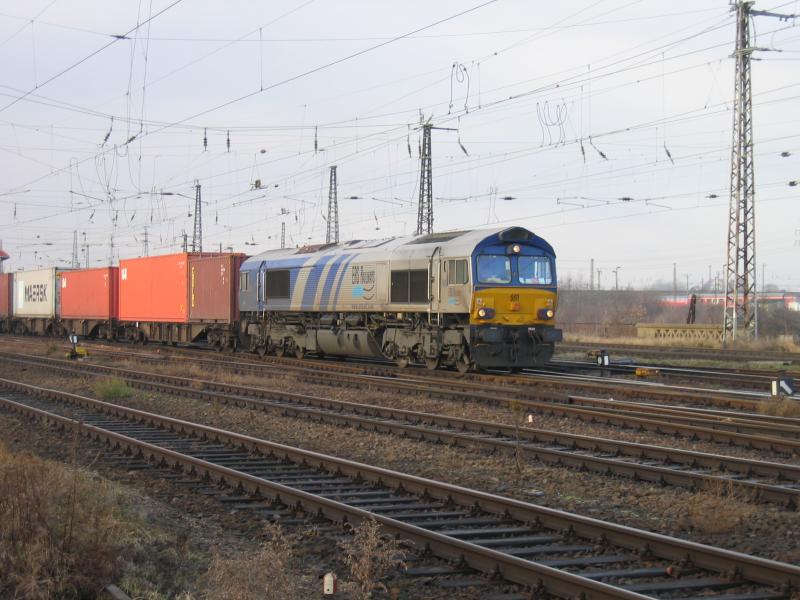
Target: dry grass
pixel 270 572
pixel 783 407
pixel 768 344
pixel 60 532
pixel 112 389
pixel 637 341
pixel 719 509
pixel 369 556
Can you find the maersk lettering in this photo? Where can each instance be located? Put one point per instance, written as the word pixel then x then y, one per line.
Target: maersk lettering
pixel 36 292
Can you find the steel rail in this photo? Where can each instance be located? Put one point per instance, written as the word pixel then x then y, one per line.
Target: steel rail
pixel 737 569
pixel 720 431
pixel 549 447
pixel 546 385
pixel 686 352
pixel 750 422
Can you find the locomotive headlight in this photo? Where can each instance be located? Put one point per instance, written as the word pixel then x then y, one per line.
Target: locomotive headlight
pixel 546 313
pixel 515 248
pixel 485 313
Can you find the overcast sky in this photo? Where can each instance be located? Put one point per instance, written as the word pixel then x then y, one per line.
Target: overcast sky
pixel 604 126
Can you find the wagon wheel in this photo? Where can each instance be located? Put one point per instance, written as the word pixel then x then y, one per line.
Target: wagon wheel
pixel 402 361
pixel 261 351
pixel 299 352
pixel 280 349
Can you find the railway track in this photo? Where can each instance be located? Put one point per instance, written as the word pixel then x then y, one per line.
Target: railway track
pixel 755 380
pixel 540 386
pixel 765 432
pixel 549 551
pixel 758 480
pixel 728 354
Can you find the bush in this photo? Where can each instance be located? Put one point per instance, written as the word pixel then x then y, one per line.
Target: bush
pixel 112 389
pixel 269 573
pixel 369 558
pixel 60 535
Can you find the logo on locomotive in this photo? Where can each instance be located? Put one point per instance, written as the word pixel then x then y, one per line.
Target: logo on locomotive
pixel 363 275
pixel 362 278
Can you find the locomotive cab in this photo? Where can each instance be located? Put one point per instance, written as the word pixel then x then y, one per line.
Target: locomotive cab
pixel 514 301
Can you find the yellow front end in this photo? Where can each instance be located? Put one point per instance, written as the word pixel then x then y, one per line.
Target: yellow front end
pixel 513 306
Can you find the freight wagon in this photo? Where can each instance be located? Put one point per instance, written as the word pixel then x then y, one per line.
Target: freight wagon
pixel 181 297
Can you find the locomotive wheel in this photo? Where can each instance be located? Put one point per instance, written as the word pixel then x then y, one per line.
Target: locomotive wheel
pixel 432 362
pixel 463 363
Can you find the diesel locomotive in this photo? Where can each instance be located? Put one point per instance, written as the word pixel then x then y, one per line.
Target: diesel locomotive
pixel 467 299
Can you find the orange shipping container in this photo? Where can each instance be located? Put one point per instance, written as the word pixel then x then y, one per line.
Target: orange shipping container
pixel 5 295
pixel 154 289
pixel 213 287
pixel 89 294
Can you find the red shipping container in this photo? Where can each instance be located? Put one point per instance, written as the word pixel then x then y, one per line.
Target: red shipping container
pixel 154 289
pixel 90 293
pixel 6 289
pixel 214 287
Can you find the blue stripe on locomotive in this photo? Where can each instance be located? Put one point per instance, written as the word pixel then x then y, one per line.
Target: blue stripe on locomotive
pixel 312 283
pixel 330 279
pixel 342 274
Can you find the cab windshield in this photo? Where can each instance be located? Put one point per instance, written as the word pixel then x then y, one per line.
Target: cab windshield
pixel 522 270
pixel 534 270
pixel 494 268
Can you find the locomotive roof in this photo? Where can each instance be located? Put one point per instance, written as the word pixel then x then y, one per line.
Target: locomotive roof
pixel 452 243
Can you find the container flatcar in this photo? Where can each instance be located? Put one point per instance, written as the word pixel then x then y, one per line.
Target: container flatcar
pixel 89 301
pixel 183 297
pixel 36 302
pixel 6 303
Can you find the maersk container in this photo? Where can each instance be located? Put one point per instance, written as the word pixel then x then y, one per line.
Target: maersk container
pixel 36 293
pixel 214 287
pixel 90 294
pixel 154 289
pixel 5 295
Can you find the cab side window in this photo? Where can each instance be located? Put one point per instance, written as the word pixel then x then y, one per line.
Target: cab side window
pixel 457 272
pixel 277 284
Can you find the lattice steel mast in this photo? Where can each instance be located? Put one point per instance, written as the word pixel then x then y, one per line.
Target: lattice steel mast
pixel 425 207
pixel 332 235
pixel 197 237
pixel 75 261
pixel 741 303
